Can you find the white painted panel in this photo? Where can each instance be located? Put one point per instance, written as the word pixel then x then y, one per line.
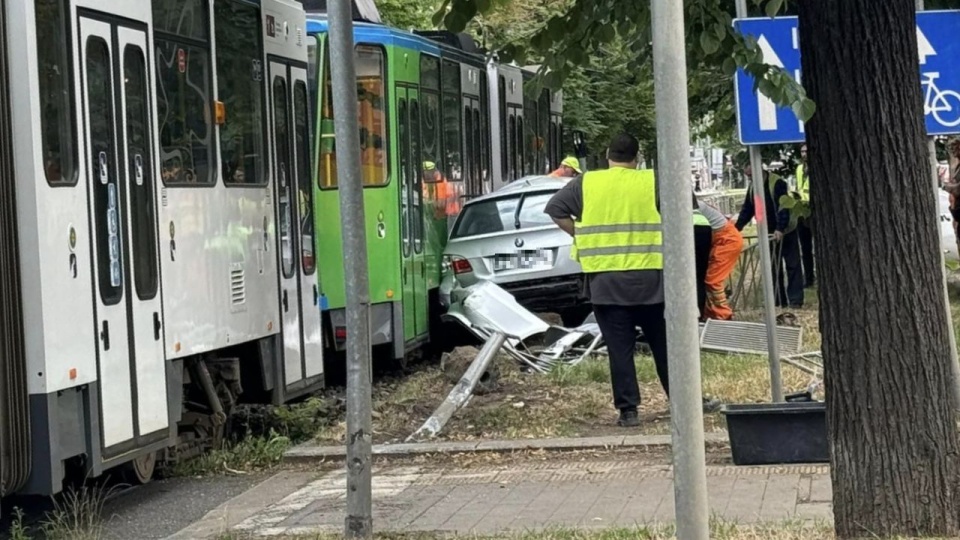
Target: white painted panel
pixel 114 364
pixel 148 361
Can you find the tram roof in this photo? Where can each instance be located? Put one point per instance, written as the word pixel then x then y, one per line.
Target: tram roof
pixel 379 35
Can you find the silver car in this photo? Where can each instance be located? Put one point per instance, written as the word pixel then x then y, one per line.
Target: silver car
pixel 505 238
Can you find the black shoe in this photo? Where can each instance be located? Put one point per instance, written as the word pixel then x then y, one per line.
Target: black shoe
pixel 628 419
pixel 711 405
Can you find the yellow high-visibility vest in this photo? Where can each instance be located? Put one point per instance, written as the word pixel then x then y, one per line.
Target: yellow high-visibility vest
pixel 700 219
pixel 620 228
pixel 803 183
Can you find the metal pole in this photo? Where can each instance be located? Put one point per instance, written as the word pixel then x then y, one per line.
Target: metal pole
pixel 359 520
pixel 766 262
pixel 673 164
pixel 766 272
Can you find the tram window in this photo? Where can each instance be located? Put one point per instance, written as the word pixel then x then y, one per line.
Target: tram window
pixel 184 18
pixel 402 122
pixel 431 130
pixel 281 115
pixel 183 108
pixel 371 102
pixel 57 123
pixel 416 210
pixel 478 155
pixel 511 143
pixel 520 149
pixel 240 88
pixel 504 148
pixel 429 73
pixel 452 126
pixel 140 167
pixel 468 146
pixel 106 196
pixel 529 134
pixel 304 185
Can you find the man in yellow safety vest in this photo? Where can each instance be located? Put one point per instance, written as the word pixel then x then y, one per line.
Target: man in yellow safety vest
pixel 804 233
pixel 614 218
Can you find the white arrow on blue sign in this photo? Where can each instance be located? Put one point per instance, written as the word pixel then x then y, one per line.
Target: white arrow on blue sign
pixel 760 121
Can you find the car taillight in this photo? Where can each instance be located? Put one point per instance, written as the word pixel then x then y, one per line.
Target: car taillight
pixel 340 333
pixel 461 266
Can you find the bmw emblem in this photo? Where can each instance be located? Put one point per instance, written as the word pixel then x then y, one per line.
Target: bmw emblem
pixel 518 242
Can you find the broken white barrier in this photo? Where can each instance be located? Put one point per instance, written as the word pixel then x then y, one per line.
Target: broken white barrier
pixel 462 391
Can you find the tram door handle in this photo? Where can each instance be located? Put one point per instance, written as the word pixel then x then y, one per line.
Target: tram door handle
pixel 286 305
pixel 105 335
pixel 156 326
pixel 316 295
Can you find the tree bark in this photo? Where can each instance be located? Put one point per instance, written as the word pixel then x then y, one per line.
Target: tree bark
pixel 894 445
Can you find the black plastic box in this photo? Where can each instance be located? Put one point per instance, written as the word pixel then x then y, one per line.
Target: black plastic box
pixel 774 433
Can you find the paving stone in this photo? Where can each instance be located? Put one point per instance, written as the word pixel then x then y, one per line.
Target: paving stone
pixel 746 499
pixel 818 511
pixel 534 495
pixel 821 488
pixel 780 498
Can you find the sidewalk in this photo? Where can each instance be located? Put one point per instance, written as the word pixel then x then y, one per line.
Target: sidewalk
pixel 525 496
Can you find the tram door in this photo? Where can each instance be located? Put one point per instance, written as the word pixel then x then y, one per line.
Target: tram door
pixel 119 155
pixel 415 317
pixel 299 293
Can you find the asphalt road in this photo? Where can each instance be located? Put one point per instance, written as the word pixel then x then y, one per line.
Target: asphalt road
pixel 148 512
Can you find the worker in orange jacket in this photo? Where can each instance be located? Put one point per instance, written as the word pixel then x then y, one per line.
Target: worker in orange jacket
pixel 446 194
pixel 724 254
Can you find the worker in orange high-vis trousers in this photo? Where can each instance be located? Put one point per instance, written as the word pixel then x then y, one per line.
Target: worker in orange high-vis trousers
pixel 724 254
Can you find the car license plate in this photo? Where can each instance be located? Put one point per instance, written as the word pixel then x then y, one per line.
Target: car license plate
pixel 524 260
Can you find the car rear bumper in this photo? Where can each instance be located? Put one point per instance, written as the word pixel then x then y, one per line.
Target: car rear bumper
pixel 550 294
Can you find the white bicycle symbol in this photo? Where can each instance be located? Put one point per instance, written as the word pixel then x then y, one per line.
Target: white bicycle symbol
pixel 941 101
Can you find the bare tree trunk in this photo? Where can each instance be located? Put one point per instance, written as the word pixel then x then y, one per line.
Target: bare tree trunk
pixel 893 434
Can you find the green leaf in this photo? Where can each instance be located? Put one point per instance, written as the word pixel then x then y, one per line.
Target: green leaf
pixel 773 7
pixel 455 21
pixel 483 6
pixel 804 109
pixel 440 14
pixel 606 33
pixel 708 43
pixel 729 66
pixel 720 30
pixel 556 29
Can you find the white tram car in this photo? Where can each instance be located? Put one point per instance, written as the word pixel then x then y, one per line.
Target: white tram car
pixel 154 199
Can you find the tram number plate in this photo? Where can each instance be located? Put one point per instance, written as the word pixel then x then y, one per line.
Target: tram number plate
pixel 524 260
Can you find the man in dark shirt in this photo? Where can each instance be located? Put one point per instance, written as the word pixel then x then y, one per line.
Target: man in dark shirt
pixel 622 299
pixel 785 248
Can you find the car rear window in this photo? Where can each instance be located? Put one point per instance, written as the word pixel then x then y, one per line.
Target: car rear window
pixel 522 211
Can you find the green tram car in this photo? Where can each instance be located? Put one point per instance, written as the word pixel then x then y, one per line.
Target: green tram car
pixel 440 122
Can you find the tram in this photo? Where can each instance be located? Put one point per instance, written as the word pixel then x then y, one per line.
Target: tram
pixel 154 157
pixel 440 121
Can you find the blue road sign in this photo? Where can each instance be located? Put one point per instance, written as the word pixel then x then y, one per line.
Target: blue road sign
pixel 938 38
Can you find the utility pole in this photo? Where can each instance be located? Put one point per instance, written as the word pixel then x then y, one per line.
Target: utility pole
pixel 673 164
pixel 359 520
pixel 954 360
pixel 766 258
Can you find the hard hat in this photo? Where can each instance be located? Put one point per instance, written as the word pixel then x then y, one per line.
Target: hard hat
pixel 573 163
pixel 429 165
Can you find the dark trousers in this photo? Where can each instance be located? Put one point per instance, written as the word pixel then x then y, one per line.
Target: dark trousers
pixel 702 242
pixel 806 251
pixel 788 271
pixel 618 324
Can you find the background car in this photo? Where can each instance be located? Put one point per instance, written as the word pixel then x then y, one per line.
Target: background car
pixel 505 238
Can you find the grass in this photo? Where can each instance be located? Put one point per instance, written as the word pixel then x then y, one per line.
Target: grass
pixel 568 402
pixel 250 454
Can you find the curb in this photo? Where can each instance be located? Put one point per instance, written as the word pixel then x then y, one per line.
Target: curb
pixel 309 452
